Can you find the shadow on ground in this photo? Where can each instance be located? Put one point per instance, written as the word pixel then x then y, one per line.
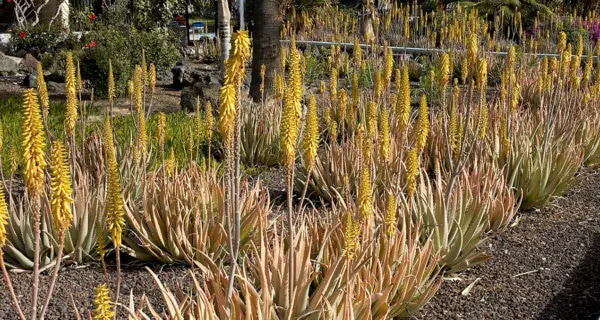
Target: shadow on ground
pixel 580 298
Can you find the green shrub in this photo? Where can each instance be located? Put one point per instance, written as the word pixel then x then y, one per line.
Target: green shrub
pixel 119 46
pixel 41 38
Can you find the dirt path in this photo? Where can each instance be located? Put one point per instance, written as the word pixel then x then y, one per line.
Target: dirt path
pixel 546 267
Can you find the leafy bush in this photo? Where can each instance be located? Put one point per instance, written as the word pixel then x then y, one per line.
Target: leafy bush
pixel 124 49
pixel 41 38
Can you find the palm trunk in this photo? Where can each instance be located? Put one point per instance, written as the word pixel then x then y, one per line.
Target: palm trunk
pixel 224 17
pixel 266 46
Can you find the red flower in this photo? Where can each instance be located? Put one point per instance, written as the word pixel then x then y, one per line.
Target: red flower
pixel 66 30
pixel 92 16
pixel 93 44
pixel 22 35
pixel 87 45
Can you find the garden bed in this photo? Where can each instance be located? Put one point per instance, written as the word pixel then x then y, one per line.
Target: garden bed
pixel 544 267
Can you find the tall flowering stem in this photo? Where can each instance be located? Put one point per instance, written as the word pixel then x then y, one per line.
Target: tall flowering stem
pixel 229 127
pixel 310 143
pixel 61 201
pixel 33 145
pixel 115 214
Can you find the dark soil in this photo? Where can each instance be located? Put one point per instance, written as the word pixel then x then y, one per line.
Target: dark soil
pixel 545 267
pixel 75 287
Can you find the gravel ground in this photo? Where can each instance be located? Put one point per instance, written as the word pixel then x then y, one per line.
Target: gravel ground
pixel 545 267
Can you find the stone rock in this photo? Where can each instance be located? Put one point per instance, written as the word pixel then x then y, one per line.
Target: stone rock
pixel 55 86
pixel 8 64
pixel 30 80
pixel 206 92
pixel 29 64
pixel 178 76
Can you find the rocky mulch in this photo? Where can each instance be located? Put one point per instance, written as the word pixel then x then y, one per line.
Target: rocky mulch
pixel 545 267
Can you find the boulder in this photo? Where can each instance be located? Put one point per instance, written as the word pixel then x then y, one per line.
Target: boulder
pixel 206 92
pixel 178 72
pixel 9 65
pixel 55 86
pixel 29 64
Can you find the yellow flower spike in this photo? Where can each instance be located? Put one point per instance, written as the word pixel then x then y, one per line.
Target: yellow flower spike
pixel 464 70
pixel 160 131
pixel 378 85
pixel 397 80
pixel 390 219
pixel 138 89
pixel 322 87
pixel 42 91
pixel 60 187
pixel 483 120
pixel 33 144
pixel 579 46
pixel 142 136
pixel 365 203
pixel 372 119
pixel 289 130
pixel 327 117
pixel 103 309
pixel 444 74
pixel 71 95
pixel 240 44
pixel 209 120
pixel 422 125
pixel 311 134
pixel 130 90
pixel 403 109
pixel 111 83
pixel 510 59
pixel 152 79
pixel 482 75
pixel 333 132
pixel 171 163
pixel 279 86
pixel 384 135
pixel 351 237
pixel 412 170
pixel 388 67
pixel 115 215
pixel 393 101
pixel 356 54
pixel 516 91
pixel 3 218
pixel 342 106
pixel 472 46
pixel 453 121
pixel 13 160
pixel 333 79
pixel 227 110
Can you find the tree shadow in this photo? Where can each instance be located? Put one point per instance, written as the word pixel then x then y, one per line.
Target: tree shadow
pixel 580 298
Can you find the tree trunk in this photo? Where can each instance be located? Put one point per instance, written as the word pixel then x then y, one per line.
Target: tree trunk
pixel 266 46
pixel 224 17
